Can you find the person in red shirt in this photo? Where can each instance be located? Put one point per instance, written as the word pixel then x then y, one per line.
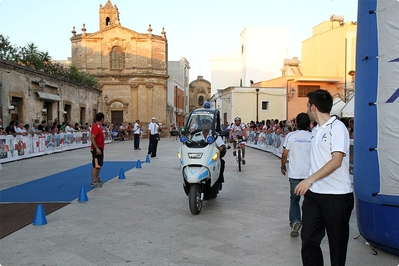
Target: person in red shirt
pixel 97 150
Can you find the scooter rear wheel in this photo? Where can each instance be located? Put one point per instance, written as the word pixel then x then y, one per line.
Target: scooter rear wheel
pixel 195 199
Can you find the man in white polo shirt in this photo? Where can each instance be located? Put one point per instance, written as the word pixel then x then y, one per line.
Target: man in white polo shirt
pixel 328 191
pixel 153 135
pixel 297 152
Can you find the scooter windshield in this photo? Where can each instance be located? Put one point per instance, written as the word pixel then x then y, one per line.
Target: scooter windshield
pixel 200 128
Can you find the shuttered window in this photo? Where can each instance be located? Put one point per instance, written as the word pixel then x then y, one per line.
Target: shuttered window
pixel 303 90
pixel 117 58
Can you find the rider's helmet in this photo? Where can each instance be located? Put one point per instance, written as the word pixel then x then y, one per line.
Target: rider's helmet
pixel 207 105
pixel 237 119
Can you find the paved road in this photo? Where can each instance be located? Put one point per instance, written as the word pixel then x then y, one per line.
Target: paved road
pixel 145 219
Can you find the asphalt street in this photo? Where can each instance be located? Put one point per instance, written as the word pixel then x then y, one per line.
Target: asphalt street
pixel 145 218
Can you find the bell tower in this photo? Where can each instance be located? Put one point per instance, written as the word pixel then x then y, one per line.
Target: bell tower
pixel 109 15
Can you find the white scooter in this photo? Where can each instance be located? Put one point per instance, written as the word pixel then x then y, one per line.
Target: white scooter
pixel 200 158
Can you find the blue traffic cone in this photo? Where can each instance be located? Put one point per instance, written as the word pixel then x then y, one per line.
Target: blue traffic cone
pixel 147 160
pixel 40 216
pixel 82 195
pixel 122 174
pixel 138 165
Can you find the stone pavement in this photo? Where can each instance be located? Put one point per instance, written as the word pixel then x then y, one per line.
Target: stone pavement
pixel 145 218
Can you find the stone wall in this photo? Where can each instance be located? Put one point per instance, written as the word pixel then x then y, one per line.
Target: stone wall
pixel 20 89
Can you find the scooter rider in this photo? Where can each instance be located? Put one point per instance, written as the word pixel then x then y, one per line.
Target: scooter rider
pixel 238 131
pixel 206 124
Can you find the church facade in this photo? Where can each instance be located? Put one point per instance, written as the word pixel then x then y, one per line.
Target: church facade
pixel 199 93
pixel 131 68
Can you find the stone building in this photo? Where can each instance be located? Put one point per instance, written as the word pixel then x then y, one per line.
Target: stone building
pixel 199 93
pixel 178 91
pixel 27 95
pixel 131 68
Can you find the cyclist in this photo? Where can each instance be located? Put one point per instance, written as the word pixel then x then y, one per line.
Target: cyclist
pixel 238 131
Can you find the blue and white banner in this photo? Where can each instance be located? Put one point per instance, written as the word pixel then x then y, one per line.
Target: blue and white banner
pixel 22 147
pixel 388 95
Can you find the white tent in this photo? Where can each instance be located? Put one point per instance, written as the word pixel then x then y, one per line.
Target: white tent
pixel 349 108
pixel 338 104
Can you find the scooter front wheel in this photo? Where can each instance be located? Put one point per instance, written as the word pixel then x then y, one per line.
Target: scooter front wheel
pixel 195 199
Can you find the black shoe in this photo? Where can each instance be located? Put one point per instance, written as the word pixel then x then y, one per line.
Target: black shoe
pixel 234 153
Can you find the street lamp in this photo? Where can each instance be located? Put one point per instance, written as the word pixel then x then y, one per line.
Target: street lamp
pixel 257 105
pixel 292 91
pixel 42 83
pixel 288 96
pixel 105 107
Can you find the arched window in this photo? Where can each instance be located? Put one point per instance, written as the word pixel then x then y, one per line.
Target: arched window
pixel 201 100
pixel 117 58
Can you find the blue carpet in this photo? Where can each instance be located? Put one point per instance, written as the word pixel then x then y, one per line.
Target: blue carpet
pixel 64 186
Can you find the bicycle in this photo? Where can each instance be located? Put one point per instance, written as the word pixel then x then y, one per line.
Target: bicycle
pixel 239 152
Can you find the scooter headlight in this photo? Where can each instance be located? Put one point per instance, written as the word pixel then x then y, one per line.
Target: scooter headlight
pixel 178 155
pixel 215 156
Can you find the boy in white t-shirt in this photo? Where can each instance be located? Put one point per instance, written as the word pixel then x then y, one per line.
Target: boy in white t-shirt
pixel 297 152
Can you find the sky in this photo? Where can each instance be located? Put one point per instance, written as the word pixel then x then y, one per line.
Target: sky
pixel 195 29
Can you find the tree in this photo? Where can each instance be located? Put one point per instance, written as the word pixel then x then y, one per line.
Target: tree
pixel 31 56
pixel 7 51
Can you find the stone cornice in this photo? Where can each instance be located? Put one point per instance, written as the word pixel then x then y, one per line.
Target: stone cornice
pixel 23 69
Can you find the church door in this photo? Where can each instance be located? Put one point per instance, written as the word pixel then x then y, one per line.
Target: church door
pixel 116 117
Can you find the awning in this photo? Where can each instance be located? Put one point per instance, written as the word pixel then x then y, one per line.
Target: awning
pixel 48 96
pixel 317 79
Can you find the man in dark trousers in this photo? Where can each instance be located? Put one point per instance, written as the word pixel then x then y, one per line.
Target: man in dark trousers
pixel 97 150
pixel 137 133
pixel 328 200
pixel 153 135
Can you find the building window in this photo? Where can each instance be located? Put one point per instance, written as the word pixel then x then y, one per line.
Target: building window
pixel 117 58
pixel 265 105
pixel 303 90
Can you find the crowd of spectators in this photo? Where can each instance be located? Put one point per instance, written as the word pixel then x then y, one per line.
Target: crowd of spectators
pixel 282 128
pixel 269 126
pixel 44 127
pixel 122 132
